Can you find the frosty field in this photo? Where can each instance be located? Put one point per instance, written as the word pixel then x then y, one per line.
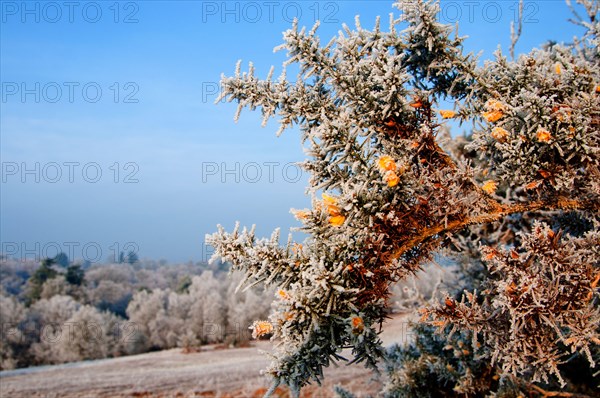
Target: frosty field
pixel 212 372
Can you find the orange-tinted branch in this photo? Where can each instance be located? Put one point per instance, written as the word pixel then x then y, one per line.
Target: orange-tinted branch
pixel 499 211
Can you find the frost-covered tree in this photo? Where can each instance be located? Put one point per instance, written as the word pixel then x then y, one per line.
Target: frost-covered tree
pixel 516 202
pixel 243 308
pixel 48 324
pixel 117 273
pixel 69 322
pixel 143 310
pixel 111 296
pixel 13 344
pixel 89 334
pixel 41 275
pixel 56 286
pixel 207 313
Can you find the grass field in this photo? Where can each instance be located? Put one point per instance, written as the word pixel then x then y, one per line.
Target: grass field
pixel 212 372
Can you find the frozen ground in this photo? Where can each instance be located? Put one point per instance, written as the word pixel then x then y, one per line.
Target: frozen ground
pixel 210 373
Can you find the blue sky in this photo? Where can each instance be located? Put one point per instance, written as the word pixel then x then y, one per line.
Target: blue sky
pixel 110 138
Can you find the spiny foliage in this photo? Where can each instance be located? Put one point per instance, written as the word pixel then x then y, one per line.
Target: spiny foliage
pixel 536 298
pixel 366 104
pixel 448 363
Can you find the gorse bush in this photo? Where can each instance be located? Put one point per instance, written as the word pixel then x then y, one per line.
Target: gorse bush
pixel 437 366
pixel 516 202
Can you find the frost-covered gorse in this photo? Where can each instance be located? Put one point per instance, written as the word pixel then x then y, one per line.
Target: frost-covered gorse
pixel 391 188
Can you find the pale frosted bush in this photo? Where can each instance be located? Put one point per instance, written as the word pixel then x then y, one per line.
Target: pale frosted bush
pixel 244 307
pixel 57 286
pixel 12 340
pixel 117 273
pixel 111 296
pixel 90 334
pixel 210 312
pixel 48 321
pixel 14 274
pixel 150 279
pixel 142 311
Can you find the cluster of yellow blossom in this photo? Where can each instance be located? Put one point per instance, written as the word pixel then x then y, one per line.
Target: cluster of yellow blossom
pixel 301 214
pixel 543 135
pixel 494 110
pixel 335 213
pixel 261 328
pixel 336 218
pixel 557 68
pixel 357 324
pixel 417 103
pixel 391 179
pixel 499 134
pixel 283 294
pixel 490 186
pixel 447 114
pixel 387 166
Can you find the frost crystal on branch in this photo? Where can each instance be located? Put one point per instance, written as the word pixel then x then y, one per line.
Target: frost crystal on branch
pixel 536 300
pixel 395 188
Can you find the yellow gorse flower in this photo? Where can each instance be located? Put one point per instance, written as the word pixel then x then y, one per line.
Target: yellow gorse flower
pixel 283 294
pixel 392 179
pixel 357 324
pixel 557 68
pixel 336 221
pixel 489 186
pixel 493 116
pixel 329 200
pixel 417 103
pixel 331 204
pixel 446 114
pixel 543 135
pixel 261 328
pixel 336 218
pixel 387 166
pixel 499 134
pixel 494 110
pixel 301 214
pixel 386 163
pixel 297 248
